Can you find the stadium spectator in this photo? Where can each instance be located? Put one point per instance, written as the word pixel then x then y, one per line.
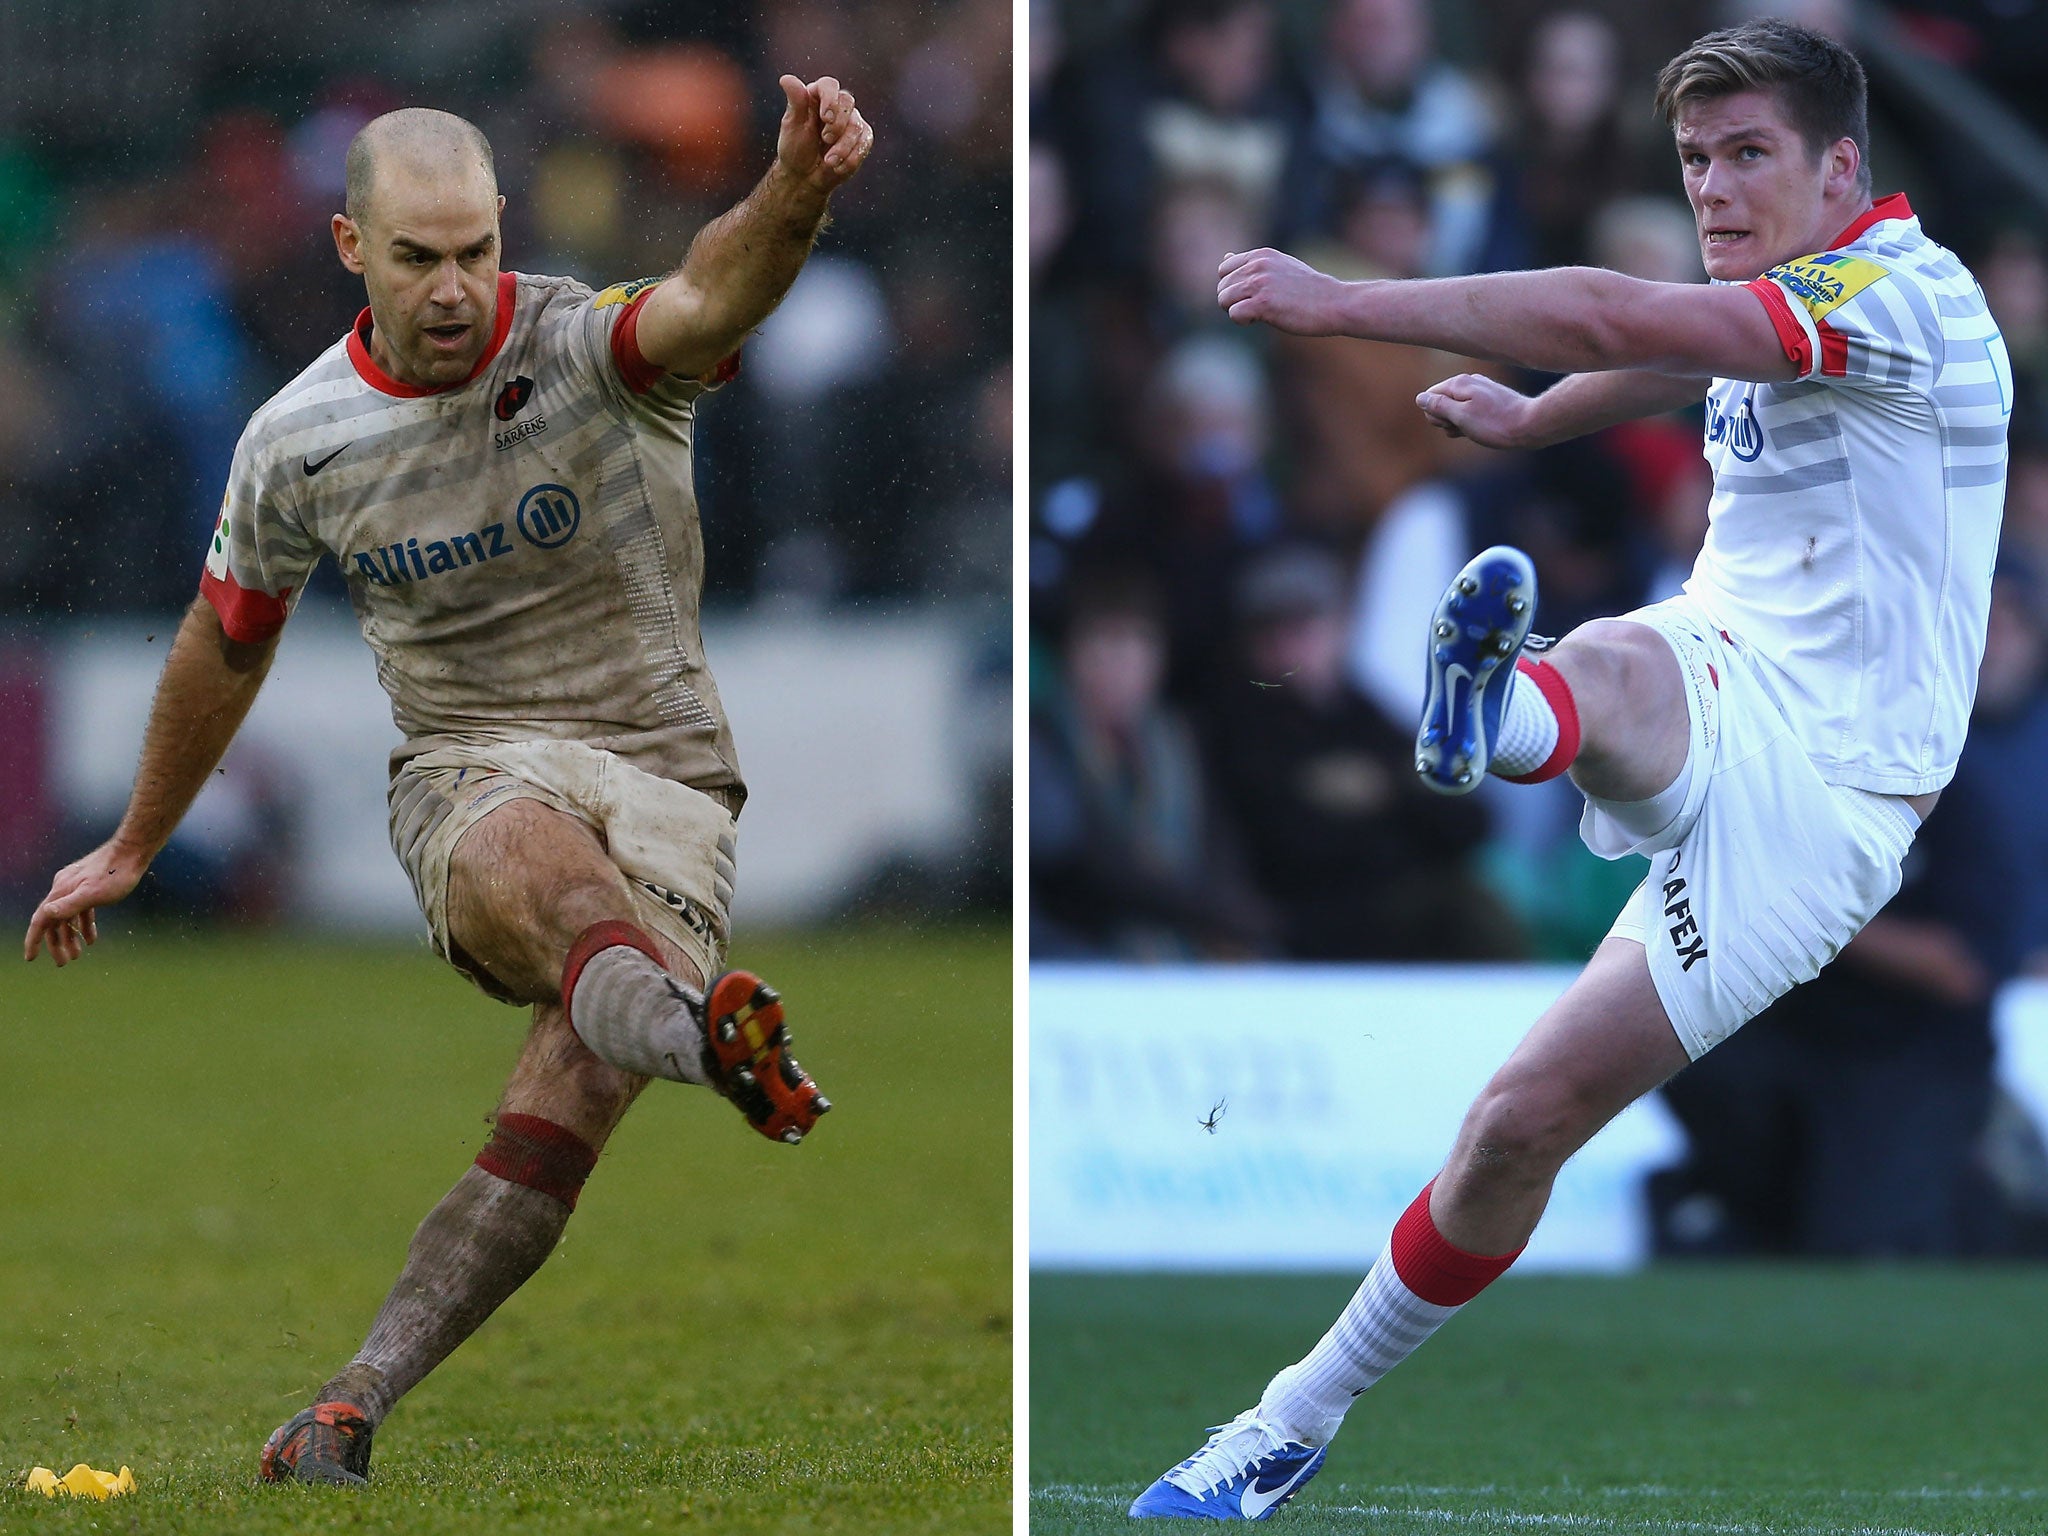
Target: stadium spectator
pixel 1197 91
pixel 1065 407
pixel 290 296
pixel 2026 501
pixel 1381 91
pixel 142 312
pixel 38 455
pixel 1359 860
pixel 1647 237
pixel 953 86
pixel 813 366
pixel 1195 216
pixel 190 188
pixel 1349 406
pixel 1195 498
pixel 1574 151
pixel 1129 857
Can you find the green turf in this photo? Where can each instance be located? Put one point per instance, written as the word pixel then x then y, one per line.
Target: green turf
pixel 213 1152
pixel 1689 1402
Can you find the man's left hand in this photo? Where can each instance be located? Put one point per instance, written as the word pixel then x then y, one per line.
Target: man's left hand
pixel 823 138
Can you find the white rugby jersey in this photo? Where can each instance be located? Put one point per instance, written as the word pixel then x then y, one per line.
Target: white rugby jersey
pixel 1855 513
pixel 522 549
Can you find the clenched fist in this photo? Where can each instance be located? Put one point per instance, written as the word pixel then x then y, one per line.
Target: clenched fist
pixel 1272 286
pixel 1472 405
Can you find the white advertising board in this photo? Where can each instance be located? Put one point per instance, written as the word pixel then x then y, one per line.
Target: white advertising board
pixel 1341 1090
pixel 853 735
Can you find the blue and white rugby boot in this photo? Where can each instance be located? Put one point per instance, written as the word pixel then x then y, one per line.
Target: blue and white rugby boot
pixel 1248 1469
pixel 1479 627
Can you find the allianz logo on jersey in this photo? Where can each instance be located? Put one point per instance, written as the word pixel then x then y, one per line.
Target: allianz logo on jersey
pixel 1737 428
pixel 547 518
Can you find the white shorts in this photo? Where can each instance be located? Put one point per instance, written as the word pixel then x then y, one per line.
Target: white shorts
pixel 1766 870
pixel 675 845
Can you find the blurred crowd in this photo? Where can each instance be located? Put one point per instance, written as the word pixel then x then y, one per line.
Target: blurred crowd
pixel 168 170
pixel 167 173
pixel 1236 538
pixel 1236 535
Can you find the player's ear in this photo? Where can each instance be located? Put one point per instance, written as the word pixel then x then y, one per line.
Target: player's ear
pixel 348 243
pixel 1844 166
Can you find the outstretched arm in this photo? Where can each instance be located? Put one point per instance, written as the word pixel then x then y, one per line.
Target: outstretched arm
pixel 1565 320
pixel 1495 416
pixel 742 263
pixel 208 684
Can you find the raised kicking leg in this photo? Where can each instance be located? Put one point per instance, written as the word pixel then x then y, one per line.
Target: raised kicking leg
pixel 1608 705
pixel 533 899
pixel 535 902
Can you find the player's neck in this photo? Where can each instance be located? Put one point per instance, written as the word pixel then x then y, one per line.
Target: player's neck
pixel 1834 219
pixel 382 356
pixel 1837 217
pixel 387 360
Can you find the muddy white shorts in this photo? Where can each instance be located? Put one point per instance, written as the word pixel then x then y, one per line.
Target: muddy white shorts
pixel 1763 870
pixel 675 845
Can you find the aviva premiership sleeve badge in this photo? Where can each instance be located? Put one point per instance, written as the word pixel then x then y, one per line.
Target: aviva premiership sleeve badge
pixel 623 293
pixel 1825 282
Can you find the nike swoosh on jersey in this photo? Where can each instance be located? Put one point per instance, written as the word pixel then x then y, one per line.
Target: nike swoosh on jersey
pixel 312 468
pixel 1256 1502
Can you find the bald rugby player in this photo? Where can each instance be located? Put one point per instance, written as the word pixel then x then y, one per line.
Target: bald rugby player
pixel 500 465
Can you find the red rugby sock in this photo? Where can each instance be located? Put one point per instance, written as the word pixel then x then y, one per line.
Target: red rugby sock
pixel 1435 1268
pixel 1539 729
pixel 1415 1287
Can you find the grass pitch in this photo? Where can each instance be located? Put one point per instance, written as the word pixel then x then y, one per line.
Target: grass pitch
pixel 215 1151
pixel 1695 1402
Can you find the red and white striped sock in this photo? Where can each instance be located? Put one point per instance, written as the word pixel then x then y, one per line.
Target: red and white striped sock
pixel 1411 1291
pixel 1539 727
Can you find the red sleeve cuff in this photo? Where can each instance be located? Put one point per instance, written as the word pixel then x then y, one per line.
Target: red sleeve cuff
pixel 247 617
pixel 639 374
pixel 1834 351
pixel 1791 335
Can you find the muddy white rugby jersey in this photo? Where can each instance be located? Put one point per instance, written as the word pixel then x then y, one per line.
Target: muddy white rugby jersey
pixel 1855 513
pixel 522 549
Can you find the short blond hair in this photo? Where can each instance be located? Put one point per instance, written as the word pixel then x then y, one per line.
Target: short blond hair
pixel 1819 82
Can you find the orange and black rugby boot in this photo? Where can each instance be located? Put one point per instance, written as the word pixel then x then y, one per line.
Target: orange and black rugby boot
pixel 746 1054
pixel 326 1443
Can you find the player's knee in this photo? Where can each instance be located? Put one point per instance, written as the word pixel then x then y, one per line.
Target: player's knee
pixel 1630 661
pixel 569 901
pixel 1523 1129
